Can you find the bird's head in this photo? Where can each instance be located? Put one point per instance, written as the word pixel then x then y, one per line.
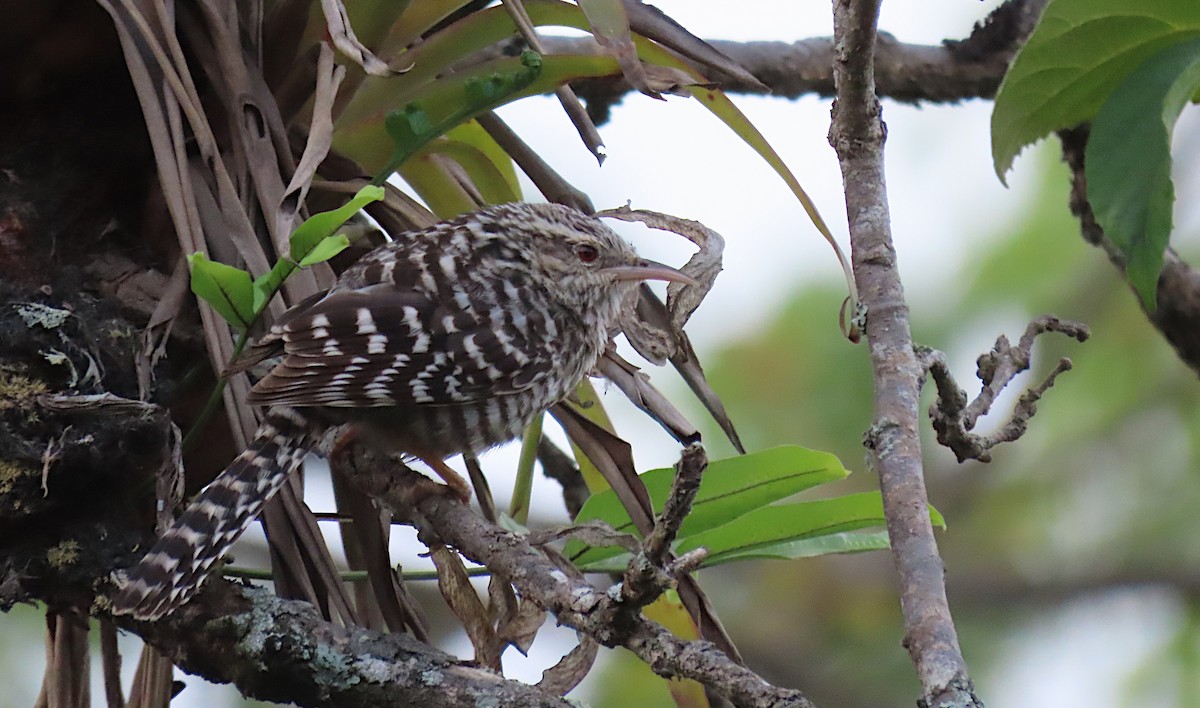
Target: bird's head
pixel 587 265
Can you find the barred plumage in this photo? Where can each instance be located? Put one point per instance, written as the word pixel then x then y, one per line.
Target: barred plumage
pixel 447 340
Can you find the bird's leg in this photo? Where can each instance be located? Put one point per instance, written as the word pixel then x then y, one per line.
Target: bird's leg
pixel 454 481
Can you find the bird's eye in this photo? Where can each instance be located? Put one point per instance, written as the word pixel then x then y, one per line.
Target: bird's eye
pixel 586 254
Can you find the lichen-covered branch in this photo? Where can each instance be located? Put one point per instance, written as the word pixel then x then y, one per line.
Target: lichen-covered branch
pixel 537 578
pixel 68 518
pixel 281 650
pixel 954 418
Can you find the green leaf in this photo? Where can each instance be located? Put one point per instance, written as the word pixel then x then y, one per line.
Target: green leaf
pixel 849 542
pixel 226 288
pixel 1128 160
pixel 329 247
pixel 729 489
pixel 448 104
pixel 312 242
pixel 318 227
pixel 474 135
pixel 1080 51
pixel 444 103
pixel 442 193
pixel 485 174
pixel 789 522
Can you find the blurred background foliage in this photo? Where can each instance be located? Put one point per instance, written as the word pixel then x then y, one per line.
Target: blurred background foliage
pixel 1096 505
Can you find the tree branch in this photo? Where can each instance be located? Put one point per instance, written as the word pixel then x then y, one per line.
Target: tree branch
pixel 270 648
pixel 953 418
pixel 954 71
pixel 1177 314
pixel 858 134
pixel 281 650
pixel 574 602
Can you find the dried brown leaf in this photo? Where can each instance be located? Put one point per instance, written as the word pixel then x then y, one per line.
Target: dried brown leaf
pixel 366 543
pixel 559 466
pixel 572 668
pixel 566 96
pixel 654 337
pixel 110 664
pixel 610 27
pixel 703 266
pixel 315 553
pixel 688 366
pixel 460 595
pixel 522 627
pixel 668 79
pixel 637 388
pixel 614 458
pixel 342 34
pixel 652 23
pixel 593 533
pixel 158 328
pixel 287 564
pixel 66 682
pixel 502 601
pixel 320 134
pixel 153 681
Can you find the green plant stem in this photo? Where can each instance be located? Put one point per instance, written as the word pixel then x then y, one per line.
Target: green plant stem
pixel 518 508
pixel 214 399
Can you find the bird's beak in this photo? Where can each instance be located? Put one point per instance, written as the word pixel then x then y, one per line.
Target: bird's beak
pixel 650 270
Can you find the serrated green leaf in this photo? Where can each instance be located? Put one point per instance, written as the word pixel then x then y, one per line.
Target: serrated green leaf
pixel 226 288
pixel 1080 51
pixel 1128 160
pixel 318 227
pixel 329 247
pixel 729 489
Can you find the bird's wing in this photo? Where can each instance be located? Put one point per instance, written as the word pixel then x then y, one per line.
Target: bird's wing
pixel 381 346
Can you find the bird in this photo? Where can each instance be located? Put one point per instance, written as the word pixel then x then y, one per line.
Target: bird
pixel 445 340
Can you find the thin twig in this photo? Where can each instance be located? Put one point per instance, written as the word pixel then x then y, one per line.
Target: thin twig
pixel 953 417
pixel 566 96
pixel 553 186
pixel 653 570
pixel 949 72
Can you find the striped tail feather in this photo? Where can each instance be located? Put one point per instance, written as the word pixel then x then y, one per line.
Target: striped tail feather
pixel 173 570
